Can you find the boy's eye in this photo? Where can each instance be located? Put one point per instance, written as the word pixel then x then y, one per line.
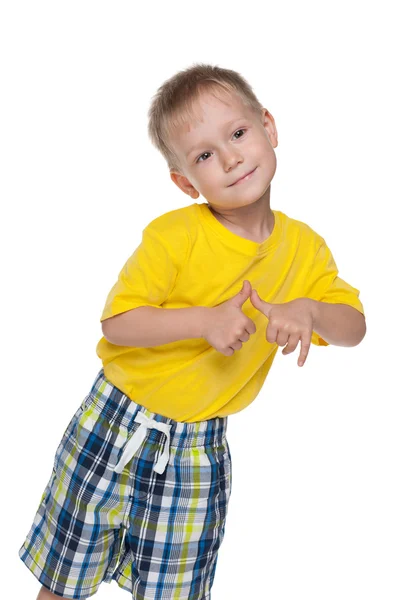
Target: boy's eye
pixel 201 157
pixel 238 132
pixel 198 160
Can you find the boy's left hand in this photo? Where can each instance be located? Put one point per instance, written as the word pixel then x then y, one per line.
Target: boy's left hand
pixel 289 323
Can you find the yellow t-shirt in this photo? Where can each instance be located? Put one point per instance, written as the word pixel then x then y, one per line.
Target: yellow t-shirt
pixel 188 258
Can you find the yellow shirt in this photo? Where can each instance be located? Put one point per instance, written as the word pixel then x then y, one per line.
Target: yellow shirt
pixel 188 258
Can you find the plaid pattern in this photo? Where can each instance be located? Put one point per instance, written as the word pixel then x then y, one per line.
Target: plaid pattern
pixel 156 533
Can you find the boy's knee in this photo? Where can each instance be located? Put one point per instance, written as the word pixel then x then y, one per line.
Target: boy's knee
pixel 45 594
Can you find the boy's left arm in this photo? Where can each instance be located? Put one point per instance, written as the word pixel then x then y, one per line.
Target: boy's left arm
pixel 320 306
pixel 338 324
pixel 293 322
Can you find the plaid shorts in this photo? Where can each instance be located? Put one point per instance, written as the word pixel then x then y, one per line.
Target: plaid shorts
pixel 133 496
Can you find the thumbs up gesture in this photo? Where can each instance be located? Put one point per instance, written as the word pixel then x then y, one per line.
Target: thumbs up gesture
pixel 226 326
pixel 289 323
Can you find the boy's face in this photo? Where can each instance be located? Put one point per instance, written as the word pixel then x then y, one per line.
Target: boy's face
pixel 229 142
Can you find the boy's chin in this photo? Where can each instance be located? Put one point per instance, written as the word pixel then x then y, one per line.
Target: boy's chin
pixel 231 205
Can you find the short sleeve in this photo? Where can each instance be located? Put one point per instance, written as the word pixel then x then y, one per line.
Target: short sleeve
pixel 325 285
pixel 148 276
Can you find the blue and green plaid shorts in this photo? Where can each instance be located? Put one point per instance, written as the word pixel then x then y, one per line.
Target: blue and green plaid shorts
pixel 133 496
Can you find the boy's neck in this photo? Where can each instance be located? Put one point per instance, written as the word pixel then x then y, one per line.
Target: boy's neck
pixel 254 222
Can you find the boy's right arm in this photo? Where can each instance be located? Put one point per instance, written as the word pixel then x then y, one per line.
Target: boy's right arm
pixel 147 326
pixel 225 326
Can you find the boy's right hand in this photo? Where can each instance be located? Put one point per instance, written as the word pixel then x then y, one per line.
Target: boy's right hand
pixel 226 326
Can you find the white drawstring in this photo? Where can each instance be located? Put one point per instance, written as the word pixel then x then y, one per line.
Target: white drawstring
pixel 138 438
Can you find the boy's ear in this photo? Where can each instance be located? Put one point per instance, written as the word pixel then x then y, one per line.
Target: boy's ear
pixel 269 124
pixel 184 184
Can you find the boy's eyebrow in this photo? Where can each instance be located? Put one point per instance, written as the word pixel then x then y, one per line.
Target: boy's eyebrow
pixel 226 126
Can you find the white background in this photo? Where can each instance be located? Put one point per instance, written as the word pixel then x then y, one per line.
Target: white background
pixel 314 511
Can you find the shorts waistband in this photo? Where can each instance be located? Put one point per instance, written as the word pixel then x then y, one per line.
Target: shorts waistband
pixel 115 406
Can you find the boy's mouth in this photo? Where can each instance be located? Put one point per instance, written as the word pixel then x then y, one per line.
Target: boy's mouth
pixel 243 178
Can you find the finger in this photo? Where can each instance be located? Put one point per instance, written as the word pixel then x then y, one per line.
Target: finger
pixel 244 337
pixel 282 337
pixel 292 344
pixel 236 345
pixel 272 332
pixel 250 327
pixel 305 347
pixel 260 304
pixel 244 294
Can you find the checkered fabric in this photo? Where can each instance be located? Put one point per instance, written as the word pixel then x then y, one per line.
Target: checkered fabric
pixel 134 497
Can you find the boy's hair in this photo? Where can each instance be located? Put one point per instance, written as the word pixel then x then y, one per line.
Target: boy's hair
pixel 173 104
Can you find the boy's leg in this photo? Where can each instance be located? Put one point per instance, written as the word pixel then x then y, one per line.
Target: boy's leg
pixel 73 544
pixel 45 594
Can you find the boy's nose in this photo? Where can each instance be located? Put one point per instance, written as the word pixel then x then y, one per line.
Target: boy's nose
pixel 232 159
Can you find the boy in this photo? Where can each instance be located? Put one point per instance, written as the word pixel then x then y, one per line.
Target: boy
pixel 142 477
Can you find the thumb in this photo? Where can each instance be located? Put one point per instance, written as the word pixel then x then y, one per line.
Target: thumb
pixel 259 304
pixel 243 295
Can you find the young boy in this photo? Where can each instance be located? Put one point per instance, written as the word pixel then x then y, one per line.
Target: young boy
pixel 142 477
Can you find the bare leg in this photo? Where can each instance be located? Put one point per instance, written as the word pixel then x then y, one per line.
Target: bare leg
pixel 45 594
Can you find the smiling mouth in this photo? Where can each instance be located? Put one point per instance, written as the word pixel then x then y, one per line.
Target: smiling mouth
pixel 244 176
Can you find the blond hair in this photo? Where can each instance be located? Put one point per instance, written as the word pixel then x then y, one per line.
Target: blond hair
pixel 173 104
